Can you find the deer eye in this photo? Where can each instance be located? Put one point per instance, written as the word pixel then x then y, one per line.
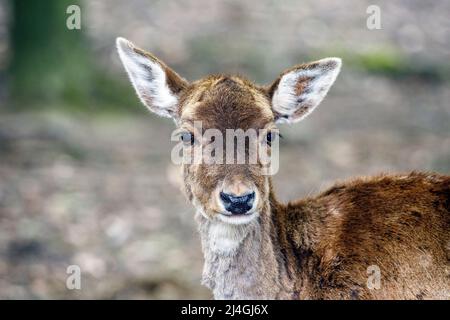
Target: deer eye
pixel 187 138
pixel 271 136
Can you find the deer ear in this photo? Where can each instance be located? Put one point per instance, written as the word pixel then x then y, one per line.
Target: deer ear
pixel 158 86
pixel 299 90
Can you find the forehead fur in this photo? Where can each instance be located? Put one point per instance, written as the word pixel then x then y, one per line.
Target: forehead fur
pixel 226 102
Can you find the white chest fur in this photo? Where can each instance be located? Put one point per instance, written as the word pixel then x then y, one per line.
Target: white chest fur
pixel 232 259
pixel 225 239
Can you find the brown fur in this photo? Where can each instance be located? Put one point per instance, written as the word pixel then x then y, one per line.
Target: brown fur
pixel 400 223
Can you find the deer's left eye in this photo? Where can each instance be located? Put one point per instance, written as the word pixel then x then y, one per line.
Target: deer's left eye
pixel 271 136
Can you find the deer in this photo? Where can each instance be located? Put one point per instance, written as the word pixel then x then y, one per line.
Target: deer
pixel 379 237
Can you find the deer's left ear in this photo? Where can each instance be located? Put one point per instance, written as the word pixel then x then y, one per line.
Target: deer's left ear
pixel 299 90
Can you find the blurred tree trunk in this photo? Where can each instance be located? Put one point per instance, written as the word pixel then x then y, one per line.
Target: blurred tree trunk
pixel 50 63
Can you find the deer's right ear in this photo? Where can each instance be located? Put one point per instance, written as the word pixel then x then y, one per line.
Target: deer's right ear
pixel 298 91
pixel 158 86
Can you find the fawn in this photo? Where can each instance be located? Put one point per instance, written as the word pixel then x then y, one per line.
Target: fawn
pixel 321 247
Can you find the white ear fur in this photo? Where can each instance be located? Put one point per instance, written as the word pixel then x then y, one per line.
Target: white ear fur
pixel 148 78
pixel 301 90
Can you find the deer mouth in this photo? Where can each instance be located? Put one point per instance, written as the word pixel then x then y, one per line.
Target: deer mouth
pixel 237 218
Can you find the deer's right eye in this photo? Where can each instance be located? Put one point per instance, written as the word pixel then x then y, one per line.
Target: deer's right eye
pixel 187 138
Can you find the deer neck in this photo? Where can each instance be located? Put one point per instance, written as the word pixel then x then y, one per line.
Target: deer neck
pixel 242 261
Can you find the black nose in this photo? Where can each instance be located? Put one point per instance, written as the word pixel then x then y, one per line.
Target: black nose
pixel 237 205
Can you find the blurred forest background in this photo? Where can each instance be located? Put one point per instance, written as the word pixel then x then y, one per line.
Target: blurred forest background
pixel 85 172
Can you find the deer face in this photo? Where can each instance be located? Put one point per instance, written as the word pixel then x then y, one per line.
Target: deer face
pixel 230 110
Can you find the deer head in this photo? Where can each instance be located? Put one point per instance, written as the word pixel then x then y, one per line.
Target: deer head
pixel 233 193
